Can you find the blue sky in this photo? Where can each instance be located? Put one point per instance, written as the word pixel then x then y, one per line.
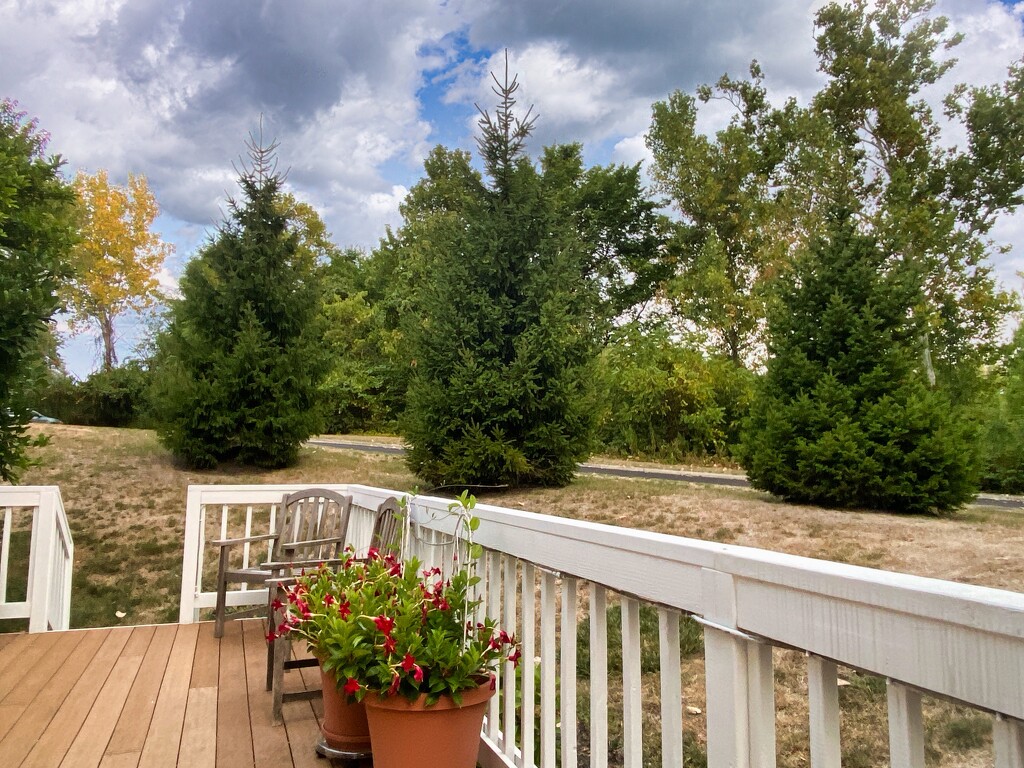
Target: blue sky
pixel 358 93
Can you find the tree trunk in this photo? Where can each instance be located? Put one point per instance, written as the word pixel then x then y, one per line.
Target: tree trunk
pixel 107 335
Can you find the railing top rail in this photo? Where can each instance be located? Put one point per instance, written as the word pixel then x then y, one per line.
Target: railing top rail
pixel 25 495
pixel 631 559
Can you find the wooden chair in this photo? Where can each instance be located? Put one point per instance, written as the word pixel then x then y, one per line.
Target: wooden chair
pixel 311 529
pixel 385 537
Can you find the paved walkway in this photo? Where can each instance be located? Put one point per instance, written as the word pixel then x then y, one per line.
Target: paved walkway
pixel 733 479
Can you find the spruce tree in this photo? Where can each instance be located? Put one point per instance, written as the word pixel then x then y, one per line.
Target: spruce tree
pixel 499 331
pixel 239 364
pixel 844 415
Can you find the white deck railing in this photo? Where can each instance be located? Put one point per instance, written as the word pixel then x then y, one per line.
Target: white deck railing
pixel 47 561
pixel 925 636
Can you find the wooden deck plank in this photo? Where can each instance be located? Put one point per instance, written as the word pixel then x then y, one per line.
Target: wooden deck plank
pixel 67 722
pixel 30 726
pixel 121 760
pixel 130 733
pixel 207 658
pixel 7 638
pixel 87 749
pixel 131 698
pixel 164 736
pixel 269 742
pixel 38 676
pixel 18 658
pixel 234 736
pixel 199 733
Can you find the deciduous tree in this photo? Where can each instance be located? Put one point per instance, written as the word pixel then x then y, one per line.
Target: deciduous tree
pixel 118 257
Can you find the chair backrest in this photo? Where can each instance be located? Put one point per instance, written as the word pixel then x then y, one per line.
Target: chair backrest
pixel 313 525
pixel 387 535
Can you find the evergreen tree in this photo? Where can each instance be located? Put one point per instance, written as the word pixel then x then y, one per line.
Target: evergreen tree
pixel 844 415
pixel 239 362
pixel 499 330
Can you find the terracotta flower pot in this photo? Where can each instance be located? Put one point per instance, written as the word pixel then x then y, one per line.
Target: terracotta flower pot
pixel 408 733
pixel 344 725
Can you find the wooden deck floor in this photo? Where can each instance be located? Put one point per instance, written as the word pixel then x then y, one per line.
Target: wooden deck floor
pixel 141 697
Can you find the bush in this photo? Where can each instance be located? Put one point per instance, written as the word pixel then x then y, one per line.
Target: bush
pixel 663 400
pixel 114 398
pixel 1002 428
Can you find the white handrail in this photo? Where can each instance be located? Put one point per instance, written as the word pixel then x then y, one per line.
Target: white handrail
pixel 47 603
pixel 924 635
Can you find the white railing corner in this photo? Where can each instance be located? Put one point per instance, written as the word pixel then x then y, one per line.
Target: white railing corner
pixel 47 604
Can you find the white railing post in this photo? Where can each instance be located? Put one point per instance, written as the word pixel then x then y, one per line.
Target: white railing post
pixel 598 677
pixel 906 727
pixel 187 612
pixel 567 661
pixel 671 689
pixel 5 551
pixel 1008 740
pixel 632 701
pixel 740 688
pixel 41 554
pixel 823 706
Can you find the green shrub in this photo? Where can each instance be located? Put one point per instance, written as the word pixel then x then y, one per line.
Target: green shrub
pixel 663 400
pixel 115 398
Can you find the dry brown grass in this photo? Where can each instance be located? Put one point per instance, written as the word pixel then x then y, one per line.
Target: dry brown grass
pixel 125 500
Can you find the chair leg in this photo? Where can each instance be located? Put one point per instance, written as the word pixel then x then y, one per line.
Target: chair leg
pixel 272 623
pixel 282 649
pixel 222 589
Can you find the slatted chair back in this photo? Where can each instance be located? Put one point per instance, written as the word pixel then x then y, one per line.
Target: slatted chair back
pixel 313 525
pixel 387 533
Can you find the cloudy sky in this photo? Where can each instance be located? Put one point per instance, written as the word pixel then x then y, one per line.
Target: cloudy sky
pixel 357 93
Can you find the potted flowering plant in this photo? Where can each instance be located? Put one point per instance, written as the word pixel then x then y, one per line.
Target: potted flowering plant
pixel 406 642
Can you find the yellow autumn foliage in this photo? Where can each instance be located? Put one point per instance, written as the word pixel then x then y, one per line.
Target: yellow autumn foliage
pixel 118 257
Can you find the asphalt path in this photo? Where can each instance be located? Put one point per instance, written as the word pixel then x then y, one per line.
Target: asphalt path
pixel 733 480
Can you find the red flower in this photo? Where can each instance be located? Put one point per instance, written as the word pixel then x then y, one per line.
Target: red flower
pixel 329 600
pixel 395 570
pixel 395 682
pixel 408 662
pixel 344 609
pixel 417 673
pixel 351 686
pixel 373 553
pixel 271 637
pixel 514 656
pixel 385 624
pixel 277 605
pixel 389 645
pixel 494 681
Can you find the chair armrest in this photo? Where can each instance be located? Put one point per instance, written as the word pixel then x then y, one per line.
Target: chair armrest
pixel 243 540
pixel 295 544
pixel 279 566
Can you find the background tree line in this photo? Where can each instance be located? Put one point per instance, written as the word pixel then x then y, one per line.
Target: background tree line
pixel 808 292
